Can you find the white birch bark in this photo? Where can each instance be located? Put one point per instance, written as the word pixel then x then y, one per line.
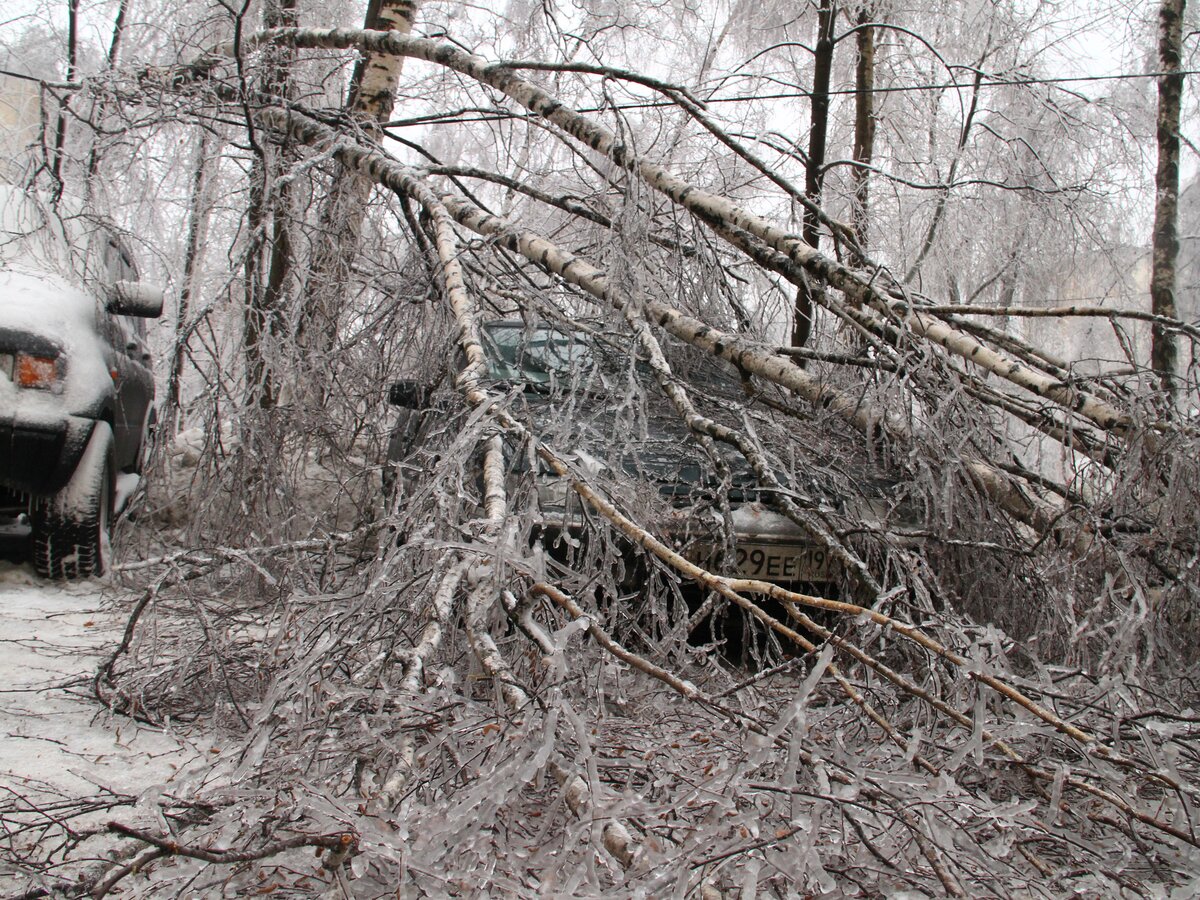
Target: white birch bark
pixel 861 289
pixel 1163 352
pixel 1019 502
pixel 339 237
pixel 614 835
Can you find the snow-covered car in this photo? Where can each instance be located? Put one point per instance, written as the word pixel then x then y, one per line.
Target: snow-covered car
pixel 76 388
pixel 575 390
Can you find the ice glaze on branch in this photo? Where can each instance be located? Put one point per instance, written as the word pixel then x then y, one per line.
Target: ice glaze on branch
pixel 861 289
pixel 738 350
pixel 1003 491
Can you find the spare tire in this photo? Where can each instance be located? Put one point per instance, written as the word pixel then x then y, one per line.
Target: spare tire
pixel 71 528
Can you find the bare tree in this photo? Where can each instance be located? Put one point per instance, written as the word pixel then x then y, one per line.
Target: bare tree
pixel 814 166
pixel 447 689
pixel 60 127
pixel 1166 209
pixel 372 89
pixel 864 121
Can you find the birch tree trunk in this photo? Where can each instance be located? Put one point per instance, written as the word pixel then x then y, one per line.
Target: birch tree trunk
pixel 1166 208
pixel 372 94
pixel 265 279
pixel 198 213
pixel 728 219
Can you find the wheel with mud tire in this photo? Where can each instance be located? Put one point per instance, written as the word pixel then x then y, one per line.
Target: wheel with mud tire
pixel 149 433
pixel 403 441
pixel 71 529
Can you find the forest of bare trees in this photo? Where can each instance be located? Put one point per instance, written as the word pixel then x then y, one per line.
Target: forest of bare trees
pixel 912 278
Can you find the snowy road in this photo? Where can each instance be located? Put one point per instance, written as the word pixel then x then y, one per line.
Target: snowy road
pixel 57 744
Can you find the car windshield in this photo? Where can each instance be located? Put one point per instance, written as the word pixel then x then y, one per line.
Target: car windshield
pixel 535 355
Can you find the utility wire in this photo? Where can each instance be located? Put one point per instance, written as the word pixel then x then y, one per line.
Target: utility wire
pixel 986 81
pixel 459 116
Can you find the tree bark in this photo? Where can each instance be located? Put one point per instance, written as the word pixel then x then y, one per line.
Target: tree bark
pixel 60 129
pixel 864 127
pixel 197 227
pixel 264 297
pixel 814 167
pixel 1166 208
pixel 372 94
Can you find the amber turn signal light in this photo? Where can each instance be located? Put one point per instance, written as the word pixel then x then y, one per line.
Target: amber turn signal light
pixel 36 371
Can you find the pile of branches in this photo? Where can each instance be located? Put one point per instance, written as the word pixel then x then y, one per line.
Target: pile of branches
pixel 989 702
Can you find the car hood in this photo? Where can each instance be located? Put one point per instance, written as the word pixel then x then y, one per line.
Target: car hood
pixel 42 313
pixel 40 301
pixel 653 445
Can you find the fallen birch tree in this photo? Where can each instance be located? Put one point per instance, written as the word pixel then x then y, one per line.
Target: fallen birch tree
pixel 456 698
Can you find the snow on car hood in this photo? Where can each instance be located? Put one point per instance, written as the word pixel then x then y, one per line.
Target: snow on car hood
pixel 45 305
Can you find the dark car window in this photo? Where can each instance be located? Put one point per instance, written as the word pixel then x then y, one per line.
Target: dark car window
pixel 534 355
pixel 541 356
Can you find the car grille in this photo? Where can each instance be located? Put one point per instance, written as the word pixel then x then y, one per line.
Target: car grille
pixel 13 501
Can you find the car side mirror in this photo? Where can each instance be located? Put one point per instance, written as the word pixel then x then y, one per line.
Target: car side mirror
pixel 409 393
pixel 132 298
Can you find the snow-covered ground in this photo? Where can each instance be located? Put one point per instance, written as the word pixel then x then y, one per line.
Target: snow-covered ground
pixel 57 744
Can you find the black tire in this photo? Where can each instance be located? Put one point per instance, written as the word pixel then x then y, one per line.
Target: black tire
pixel 71 529
pixel 401 444
pixel 145 445
pixel 391 467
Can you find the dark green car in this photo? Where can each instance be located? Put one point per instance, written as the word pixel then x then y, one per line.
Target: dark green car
pixel 575 389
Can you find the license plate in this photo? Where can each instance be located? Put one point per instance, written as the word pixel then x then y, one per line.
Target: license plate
pixel 775 562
